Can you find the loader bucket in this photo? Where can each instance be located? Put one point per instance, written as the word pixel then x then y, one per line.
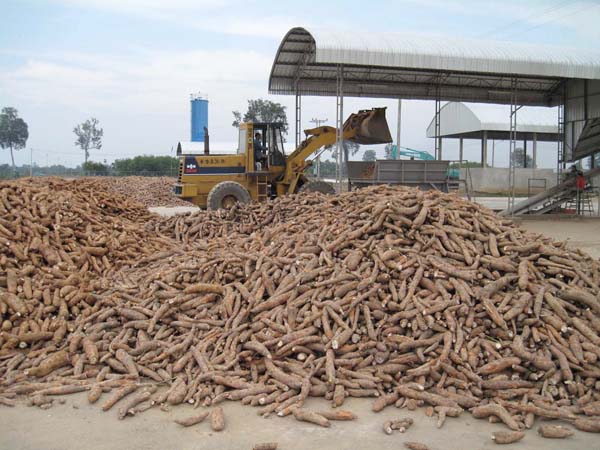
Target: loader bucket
pixel 368 127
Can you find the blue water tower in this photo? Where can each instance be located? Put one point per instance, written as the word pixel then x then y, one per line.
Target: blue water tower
pixel 199 104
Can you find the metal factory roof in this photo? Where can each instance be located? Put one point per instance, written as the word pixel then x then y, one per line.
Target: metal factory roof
pixel 459 121
pixel 191 147
pixel 400 65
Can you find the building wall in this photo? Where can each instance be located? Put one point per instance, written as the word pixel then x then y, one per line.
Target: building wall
pixel 494 180
pixel 582 104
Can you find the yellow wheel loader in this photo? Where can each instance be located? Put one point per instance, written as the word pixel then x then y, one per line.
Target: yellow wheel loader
pixel 260 169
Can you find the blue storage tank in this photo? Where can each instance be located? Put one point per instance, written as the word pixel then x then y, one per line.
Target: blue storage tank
pixel 199 104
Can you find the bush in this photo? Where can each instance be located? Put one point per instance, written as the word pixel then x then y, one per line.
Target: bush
pixel 152 166
pixel 95 169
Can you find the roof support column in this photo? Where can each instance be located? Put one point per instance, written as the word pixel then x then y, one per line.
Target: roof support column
pixel 493 152
pixel 525 152
pixel 512 144
pixel 438 138
pixel 460 152
pixel 560 154
pixel 534 152
pixel 298 118
pixel 484 141
pixel 399 128
pixel 339 124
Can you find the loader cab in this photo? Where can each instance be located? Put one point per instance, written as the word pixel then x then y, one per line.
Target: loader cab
pixel 270 139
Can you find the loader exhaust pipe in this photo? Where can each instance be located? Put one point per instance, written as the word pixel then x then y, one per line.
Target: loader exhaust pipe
pixel 206 142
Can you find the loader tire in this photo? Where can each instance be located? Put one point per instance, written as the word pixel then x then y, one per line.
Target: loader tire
pixel 317 186
pixel 225 194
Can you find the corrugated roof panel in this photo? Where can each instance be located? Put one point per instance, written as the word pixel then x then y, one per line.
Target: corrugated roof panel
pixel 459 119
pixel 444 53
pixel 401 65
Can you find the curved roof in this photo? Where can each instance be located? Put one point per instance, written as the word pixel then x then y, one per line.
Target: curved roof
pixel 401 65
pixel 191 147
pixel 457 120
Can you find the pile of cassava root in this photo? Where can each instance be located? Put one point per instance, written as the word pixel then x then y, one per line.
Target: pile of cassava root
pixel 148 191
pixel 408 297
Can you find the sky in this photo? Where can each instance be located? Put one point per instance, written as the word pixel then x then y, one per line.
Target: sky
pixel 133 64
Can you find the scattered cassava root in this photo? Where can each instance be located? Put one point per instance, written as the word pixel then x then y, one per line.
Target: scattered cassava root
pixel 555 431
pixel 507 437
pixel 305 415
pixel 192 420
pixel 412 445
pixel 217 419
pixel 408 297
pixel 265 446
pixel 400 425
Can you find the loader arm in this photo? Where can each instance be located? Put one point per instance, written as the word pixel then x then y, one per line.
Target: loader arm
pixel 364 127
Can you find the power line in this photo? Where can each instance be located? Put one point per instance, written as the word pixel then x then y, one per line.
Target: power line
pixel 39 151
pixel 317 122
pixel 585 7
pixel 537 14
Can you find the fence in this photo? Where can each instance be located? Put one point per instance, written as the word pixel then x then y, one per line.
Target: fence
pixel 7 172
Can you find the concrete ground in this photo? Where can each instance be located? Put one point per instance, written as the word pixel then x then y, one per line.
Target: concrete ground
pixel 76 424
pixel 494 203
pixel 583 233
pixel 168 211
pixel 501 203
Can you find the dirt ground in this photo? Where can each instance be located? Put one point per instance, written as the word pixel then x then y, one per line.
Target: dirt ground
pixel 76 424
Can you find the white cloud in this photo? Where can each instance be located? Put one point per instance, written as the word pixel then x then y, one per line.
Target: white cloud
pixel 142 102
pixel 515 18
pixel 148 7
pixel 268 26
pixel 209 15
pixel 155 74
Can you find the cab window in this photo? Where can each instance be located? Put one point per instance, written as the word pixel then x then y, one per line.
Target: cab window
pixel 242 141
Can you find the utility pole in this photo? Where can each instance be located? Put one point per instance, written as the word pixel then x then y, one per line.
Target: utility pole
pixel 30 162
pixel 318 123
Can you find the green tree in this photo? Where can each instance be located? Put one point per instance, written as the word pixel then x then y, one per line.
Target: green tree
pixel 369 155
pixel 350 148
pixel 520 159
pixel 388 151
pixel 260 110
pixel 13 132
pixel 89 136
pixel 95 168
pixel 146 165
pixel 464 165
pixel 327 169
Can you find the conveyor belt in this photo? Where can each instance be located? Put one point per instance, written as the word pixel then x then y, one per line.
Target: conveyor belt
pixel 550 199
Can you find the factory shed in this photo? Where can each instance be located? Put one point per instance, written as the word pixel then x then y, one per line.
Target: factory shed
pixel 402 65
pixel 458 121
pixel 414 66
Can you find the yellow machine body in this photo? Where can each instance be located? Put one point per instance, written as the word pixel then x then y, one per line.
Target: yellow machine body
pixel 278 174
